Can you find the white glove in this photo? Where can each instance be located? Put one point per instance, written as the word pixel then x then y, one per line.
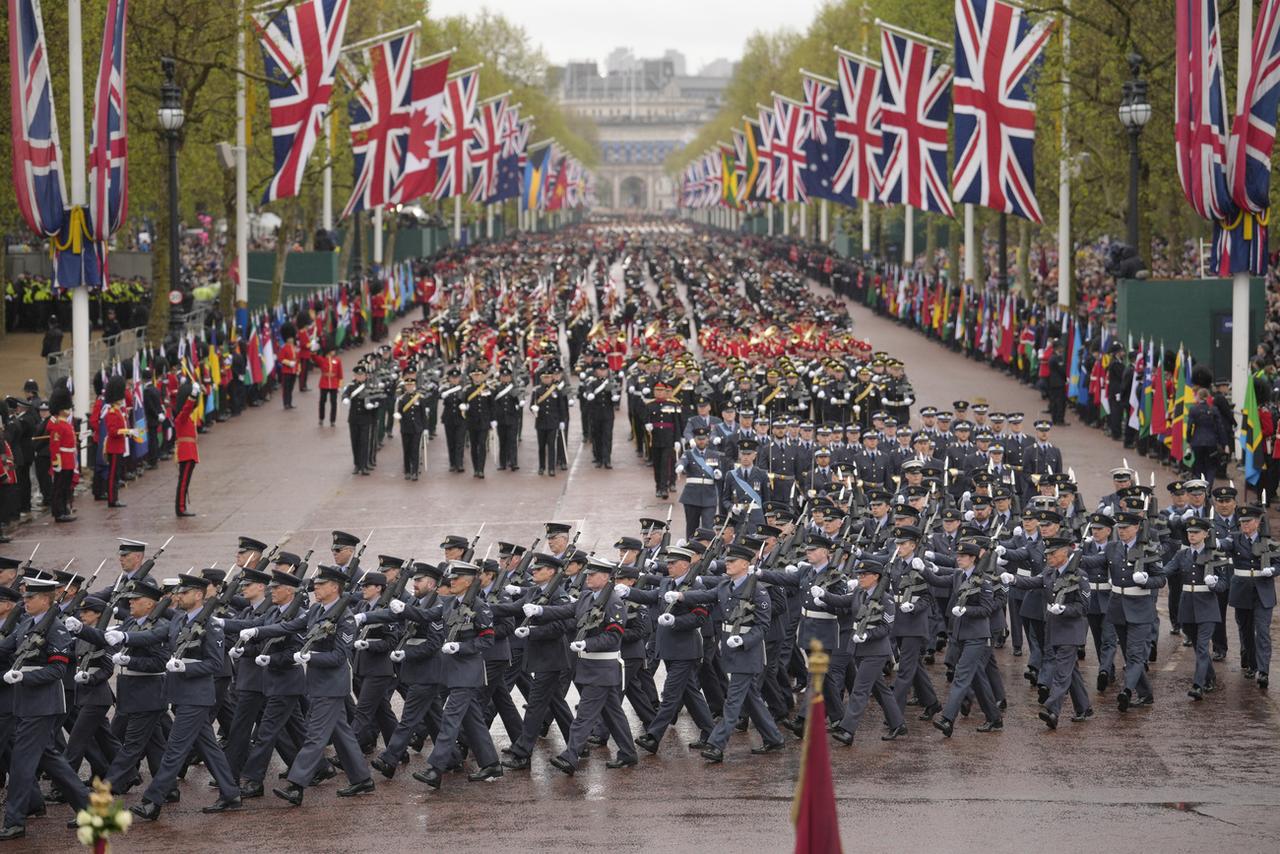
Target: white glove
pixel 346 401
pixel 359 619
pixel 1268 571
pixel 930 555
pixel 733 641
pixel 262 660
pixel 968 515
pixel 120 659
pixel 113 637
pixel 1017 530
pixel 1000 550
pixel 622 590
pixel 493 425
pixel 562 426
pixel 397 655
pixel 73 625
pixel 680 469
pixel 175 665
pixel 361 643
pixel 591 395
pixel 861 637
pixel 235 652
pixel 667 619
pixel 451 648
pixel 82 677
pixel 615 398
pixel 817 592
pixel 1210 580
pixel 958 610
pixel 514 590
pixel 821 394
pixel 534 409
pixel 396 606
pixel 532 610
pixel 715 440
pixel 521 631
pixel 217 621
pixel 577 646
pixel 13 677
pixel 1007 577
pixel 1002 561
pixel 245 635
pixel 1140 577
pixel 715 474
pixel 907 607
pixel 573 401
pixel 917 563
pixel 791 567
pixel 648 428
pixel 396 416
pixel 301 657
pixel 1055 609
pixel 462 407
pixel 678 445
pixel 671 597
pixel 965 496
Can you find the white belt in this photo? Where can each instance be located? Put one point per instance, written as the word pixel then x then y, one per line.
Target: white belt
pixel 1100 586
pixel 817 615
pixel 1248 573
pixel 415 641
pixel 1197 588
pixel 31 668
pixel 601 656
pixel 705 481
pixel 1025 573
pixel 1132 591
pixel 191 660
pixel 729 630
pixel 127 672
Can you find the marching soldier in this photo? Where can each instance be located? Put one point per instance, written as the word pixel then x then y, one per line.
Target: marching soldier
pixel 477 407
pixel 1198 570
pixel 663 421
pixel 453 418
pixel 550 410
pixel 360 420
pixel 410 411
pixel 600 395
pixel 507 412
pixel 700 466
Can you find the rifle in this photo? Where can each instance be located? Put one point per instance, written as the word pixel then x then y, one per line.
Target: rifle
pixel 360 551
pixel 471 549
pixel 464 614
pixel 746 605
pixel 546 596
pixel 666 537
pixel 291 611
pixel 265 561
pixel 691 576
pixel 596 616
pixel 144 571
pixel 192 633
pixel 1069 581
pixel 328 625
pixel 83 592
pixel 872 609
pixel 519 571
pixel 15 614
pixel 409 627
pixel 389 594
pixel 33 643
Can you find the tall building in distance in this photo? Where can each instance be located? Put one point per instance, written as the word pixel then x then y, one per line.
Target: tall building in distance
pixel 644 109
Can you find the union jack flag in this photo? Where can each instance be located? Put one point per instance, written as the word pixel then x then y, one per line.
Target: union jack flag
pixel 764 151
pixel 486 149
pixel 379 115
pixel 858 124
pixel 300 49
pixel 418 177
pixel 37 170
pixel 741 168
pixel 1254 130
pixel 816 111
pixel 457 128
pixel 916 98
pixel 790 132
pixel 1200 120
pixel 998 51
pixel 109 149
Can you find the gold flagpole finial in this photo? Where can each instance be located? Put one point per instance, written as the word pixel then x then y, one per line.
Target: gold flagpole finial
pixel 819 663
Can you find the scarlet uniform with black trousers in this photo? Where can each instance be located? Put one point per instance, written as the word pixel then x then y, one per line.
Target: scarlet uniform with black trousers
pixel 117 445
pixel 184 428
pixel 63 455
pixel 330 366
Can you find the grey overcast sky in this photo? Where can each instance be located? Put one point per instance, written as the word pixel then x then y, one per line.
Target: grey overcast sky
pixel 703 30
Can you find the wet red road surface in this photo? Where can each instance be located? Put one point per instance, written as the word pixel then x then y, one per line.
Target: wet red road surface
pixel 1175 777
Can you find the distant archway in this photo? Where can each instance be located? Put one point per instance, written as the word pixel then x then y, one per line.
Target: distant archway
pixel 633 193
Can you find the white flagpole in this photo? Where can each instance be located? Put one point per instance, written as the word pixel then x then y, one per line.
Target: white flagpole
pixel 1240 281
pixel 823 222
pixel 804 221
pixel 80 383
pixel 242 172
pixel 377 240
pixel 770 210
pixel 786 220
pixel 866 225
pixel 908 237
pixel 970 246
pixel 457 220
pixel 326 214
pixel 1064 176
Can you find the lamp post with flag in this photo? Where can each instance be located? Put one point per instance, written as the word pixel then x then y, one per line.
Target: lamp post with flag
pixel 1135 112
pixel 171 117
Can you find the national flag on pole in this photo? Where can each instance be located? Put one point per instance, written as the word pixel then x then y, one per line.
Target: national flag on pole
pixel 457 127
pixel 379 112
pixel 485 150
pixel 916 100
pixel 858 126
pixel 728 176
pixel 108 164
pixel 813 807
pixel 1200 110
pixel 1253 135
pixel 764 151
pixel 823 148
pixel 789 134
pixel 1159 409
pixel 998 53
pixel 1182 402
pixel 37 170
pixel 1250 434
pixel 535 177
pixel 511 166
pixel 418 177
pixel 301 44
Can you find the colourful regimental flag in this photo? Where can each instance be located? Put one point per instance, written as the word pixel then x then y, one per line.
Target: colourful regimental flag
pixel 1250 434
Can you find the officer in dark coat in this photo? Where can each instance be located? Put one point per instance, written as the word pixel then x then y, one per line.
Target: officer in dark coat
pixel 664 422
pixel 39 706
pixel 477 409
pixel 1202 574
pixel 600 394
pixel 361 416
pixel 411 412
pixel 1208 436
pixel 453 418
pixel 507 411
pixel 550 408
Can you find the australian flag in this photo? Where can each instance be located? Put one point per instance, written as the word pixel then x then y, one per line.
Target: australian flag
pixel 823 150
